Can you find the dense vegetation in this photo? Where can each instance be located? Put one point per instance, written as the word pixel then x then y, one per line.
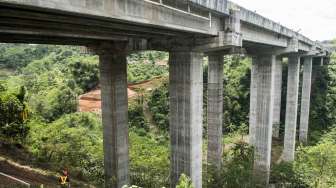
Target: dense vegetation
pixel 38 111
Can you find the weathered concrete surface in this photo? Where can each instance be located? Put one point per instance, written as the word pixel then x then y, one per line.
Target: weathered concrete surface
pixel 217 5
pixel 277 96
pixel 113 81
pixel 305 99
pixel 264 117
pixel 215 110
pixel 186 103
pixel 253 101
pixel 68 22
pixel 270 28
pixel 145 12
pixel 291 107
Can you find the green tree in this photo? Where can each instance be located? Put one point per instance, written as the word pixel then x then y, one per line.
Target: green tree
pixel 85 71
pixel 13 115
pixel 317 164
pixel 159 106
pixel 184 182
pixel 73 141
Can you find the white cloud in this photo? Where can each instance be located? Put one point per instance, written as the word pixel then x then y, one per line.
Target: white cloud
pixel 314 19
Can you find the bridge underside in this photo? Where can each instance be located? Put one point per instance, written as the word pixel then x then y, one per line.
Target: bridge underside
pixel 26 24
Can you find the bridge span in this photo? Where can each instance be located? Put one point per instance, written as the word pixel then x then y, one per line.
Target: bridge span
pixel 188 30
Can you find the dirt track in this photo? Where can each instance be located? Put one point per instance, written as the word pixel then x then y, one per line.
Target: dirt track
pixel 30 177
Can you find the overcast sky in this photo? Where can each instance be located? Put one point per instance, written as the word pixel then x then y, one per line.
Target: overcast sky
pixel 315 19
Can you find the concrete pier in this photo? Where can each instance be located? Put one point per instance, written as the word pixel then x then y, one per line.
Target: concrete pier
pixel 186 102
pixel 215 110
pixel 113 82
pixel 291 107
pixel 277 96
pixel 264 117
pixel 305 99
pixel 253 101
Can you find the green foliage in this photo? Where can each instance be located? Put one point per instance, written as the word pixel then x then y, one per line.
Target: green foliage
pixel 283 175
pixel 236 92
pixel 136 119
pixel 158 105
pixel 138 72
pixel 317 165
pixel 54 103
pixel 73 141
pixel 17 56
pixel 236 170
pixel 323 99
pixel 149 161
pixel 314 166
pixel 151 57
pixel 13 114
pixel 85 71
pixel 184 182
pixel 142 66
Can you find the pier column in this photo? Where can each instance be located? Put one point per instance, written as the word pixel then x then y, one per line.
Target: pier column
pixel 113 82
pixel 277 96
pixel 291 107
pixel 253 101
pixel 186 103
pixel 264 65
pixel 215 110
pixel 305 99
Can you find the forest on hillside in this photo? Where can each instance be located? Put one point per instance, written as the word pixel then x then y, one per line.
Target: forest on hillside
pixel 39 90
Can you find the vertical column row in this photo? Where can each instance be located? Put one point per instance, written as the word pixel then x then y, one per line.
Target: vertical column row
pixel 186 102
pixel 215 110
pixel 113 81
pixel 264 116
pixel 291 107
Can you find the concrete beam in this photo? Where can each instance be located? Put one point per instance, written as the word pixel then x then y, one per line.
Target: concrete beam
pixel 264 117
pixel 215 110
pixel 305 99
pixel 291 107
pixel 145 12
pixel 186 103
pixel 113 81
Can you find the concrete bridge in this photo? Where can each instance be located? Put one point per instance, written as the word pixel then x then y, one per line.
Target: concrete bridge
pixel 188 30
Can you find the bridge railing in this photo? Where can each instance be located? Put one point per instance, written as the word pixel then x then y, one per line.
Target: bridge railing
pixel 216 5
pixel 197 7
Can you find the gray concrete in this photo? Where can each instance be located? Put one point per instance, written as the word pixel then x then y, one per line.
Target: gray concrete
pixel 64 22
pixel 264 117
pixel 277 96
pixel 113 82
pixel 253 101
pixel 215 110
pixel 291 107
pixel 186 103
pixel 305 99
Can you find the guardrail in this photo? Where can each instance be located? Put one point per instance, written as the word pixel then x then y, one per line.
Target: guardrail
pixel 15 179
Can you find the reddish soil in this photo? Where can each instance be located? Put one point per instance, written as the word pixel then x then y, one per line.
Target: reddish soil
pixel 91 101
